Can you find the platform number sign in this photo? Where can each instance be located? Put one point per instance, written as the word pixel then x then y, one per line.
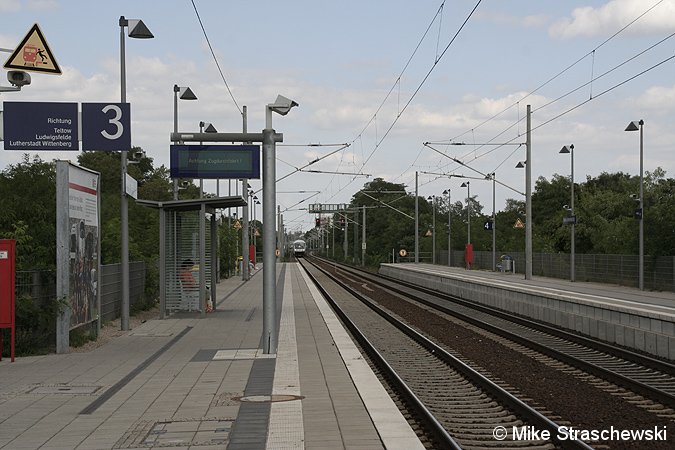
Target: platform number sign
pixel 487 225
pixel 106 126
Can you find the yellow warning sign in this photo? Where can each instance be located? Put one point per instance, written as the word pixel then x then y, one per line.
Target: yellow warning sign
pixel 519 224
pixel 33 54
pixel 236 225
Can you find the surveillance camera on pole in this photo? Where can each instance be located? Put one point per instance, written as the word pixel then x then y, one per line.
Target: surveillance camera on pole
pixel 18 78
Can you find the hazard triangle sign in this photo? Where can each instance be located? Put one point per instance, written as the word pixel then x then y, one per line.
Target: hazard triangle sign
pixel 33 54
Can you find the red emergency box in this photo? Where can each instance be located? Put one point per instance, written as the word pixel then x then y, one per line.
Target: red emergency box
pixel 468 255
pixel 251 254
pixel 7 276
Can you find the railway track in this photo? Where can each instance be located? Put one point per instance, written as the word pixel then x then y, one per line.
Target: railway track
pixel 641 374
pixel 455 404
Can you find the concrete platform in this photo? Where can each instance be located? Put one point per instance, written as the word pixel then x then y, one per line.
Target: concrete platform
pixel 192 383
pixel 642 320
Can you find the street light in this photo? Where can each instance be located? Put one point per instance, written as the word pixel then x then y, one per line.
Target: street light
pixel 182 93
pixel 281 106
pixel 447 191
pixel 492 176
pixel 466 184
pixel 635 126
pixel 137 30
pixel 433 228
pixel 570 149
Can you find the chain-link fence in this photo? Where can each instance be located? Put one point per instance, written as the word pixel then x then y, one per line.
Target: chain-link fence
pixel 659 272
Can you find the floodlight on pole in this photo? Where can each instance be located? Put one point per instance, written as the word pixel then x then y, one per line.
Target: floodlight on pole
pixel 565 150
pixel 635 126
pixel 281 106
pixel 137 30
pixel 179 93
pixel 447 191
pixel 466 184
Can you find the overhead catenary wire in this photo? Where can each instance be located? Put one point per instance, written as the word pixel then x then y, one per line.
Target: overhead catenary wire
pixel 208 42
pixel 561 72
pixel 415 92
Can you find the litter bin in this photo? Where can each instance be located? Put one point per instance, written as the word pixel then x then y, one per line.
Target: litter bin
pixel 507 263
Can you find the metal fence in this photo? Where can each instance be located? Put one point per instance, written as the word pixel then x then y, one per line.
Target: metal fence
pixel 40 286
pixel 659 272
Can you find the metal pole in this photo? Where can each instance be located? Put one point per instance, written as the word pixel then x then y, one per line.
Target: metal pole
pixel 433 227
pixel 417 219
pixel 449 231
pixel 363 238
pixel 244 235
pixel 124 212
pixel 468 213
pixel 528 197
pixel 572 256
pixel 642 213
pixel 269 235
pixel 494 226
pixel 345 244
pixel 175 130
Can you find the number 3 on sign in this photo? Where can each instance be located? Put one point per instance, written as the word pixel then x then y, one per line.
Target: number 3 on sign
pixel 115 121
pixel 106 126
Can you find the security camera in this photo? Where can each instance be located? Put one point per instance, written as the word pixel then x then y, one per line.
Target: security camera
pixel 139 154
pixel 18 78
pixel 566 207
pixel 282 105
pixel 184 184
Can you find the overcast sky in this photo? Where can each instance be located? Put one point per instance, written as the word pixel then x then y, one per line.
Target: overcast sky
pixel 366 74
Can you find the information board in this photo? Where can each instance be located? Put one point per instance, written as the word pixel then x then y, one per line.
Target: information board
pixel 215 161
pixel 35 126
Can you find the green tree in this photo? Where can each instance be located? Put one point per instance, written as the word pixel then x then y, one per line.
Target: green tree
pixel 28 205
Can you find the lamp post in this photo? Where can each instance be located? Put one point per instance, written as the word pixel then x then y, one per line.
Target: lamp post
pixel 570 149
pixel 635 126
pixel 466 184
pixel 447 191
pixel 137 30
pixel 433 228
pixel 281 106
pixel 491 176
pixel 184 93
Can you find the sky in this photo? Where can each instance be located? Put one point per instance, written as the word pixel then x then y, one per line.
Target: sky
pixel 385 77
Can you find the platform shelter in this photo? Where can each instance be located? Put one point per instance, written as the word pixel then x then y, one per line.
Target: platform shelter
pixel 188 252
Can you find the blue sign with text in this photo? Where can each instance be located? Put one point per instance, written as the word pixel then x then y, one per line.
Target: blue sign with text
pixel 39 126
pixel 106 126
pixel 215 161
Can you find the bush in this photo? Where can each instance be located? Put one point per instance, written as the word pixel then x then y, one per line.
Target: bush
pixel 35 327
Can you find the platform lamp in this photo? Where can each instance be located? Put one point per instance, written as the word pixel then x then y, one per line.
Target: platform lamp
pixel 468 211
pixel 281 106
pixel 432 199
pixel 137 30
pixel 639 214
pixel 570 149
pixel 447 191
pixel 182 93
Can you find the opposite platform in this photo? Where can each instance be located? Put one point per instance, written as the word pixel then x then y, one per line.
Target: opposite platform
pixel 192 383
pixel 642 320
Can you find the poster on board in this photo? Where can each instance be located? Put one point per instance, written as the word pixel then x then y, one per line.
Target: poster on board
pixel 78 246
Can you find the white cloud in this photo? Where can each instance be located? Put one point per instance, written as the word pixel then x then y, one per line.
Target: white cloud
pixel 10 5
pixel 607 19
pixel 658 97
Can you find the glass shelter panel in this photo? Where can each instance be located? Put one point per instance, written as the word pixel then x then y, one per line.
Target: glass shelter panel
pixel 182 260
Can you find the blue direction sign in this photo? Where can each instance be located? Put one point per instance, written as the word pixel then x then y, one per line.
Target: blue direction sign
pixel 106 126
pixel 38 126
pixel 215 161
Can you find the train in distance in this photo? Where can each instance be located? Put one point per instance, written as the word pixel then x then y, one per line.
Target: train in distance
pixel 299 248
